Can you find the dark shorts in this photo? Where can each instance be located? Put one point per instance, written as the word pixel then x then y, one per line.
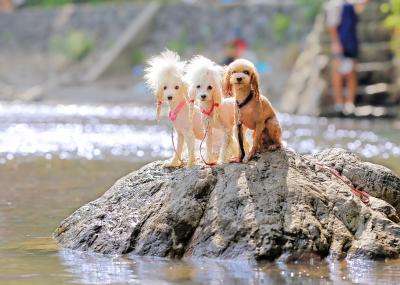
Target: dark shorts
pixel 350 54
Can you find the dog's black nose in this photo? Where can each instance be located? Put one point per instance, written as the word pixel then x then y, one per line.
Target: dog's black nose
pixel 169 97
pixel 239 79
pixel 203 96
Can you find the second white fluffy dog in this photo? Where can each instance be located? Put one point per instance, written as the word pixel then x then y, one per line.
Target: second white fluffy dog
pixel 205 86
pixel 165 76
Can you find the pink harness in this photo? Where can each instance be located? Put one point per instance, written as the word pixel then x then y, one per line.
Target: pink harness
pixel 173 115
pixel 209 112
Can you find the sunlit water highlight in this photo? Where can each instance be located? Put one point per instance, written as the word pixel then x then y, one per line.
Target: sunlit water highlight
pixel 54 158
pixel 94 132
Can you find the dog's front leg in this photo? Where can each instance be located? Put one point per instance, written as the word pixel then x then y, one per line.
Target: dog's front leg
pixel 257 136
pixel 246 145
pixel 226 147
pixel 209 144
pixel 176 159
pixel 239 142
pixel 190 147
pixel 233 148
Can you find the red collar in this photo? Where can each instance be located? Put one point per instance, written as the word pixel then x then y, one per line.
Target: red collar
pixel 174 114
pixel 209 111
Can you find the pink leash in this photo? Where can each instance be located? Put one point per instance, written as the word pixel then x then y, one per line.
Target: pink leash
pixel 364 197
pixel 173 115
pixel 208 114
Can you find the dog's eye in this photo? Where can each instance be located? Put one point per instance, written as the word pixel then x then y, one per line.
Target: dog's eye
pixel 233 71
pixel 176 87
pixel 246 72
pixel 209 87
pixel 165 87
pixel 198 86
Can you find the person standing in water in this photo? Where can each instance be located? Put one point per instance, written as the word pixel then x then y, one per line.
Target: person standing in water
pixel 342 22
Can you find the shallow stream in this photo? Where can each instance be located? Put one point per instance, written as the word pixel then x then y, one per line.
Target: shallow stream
pixel 54 158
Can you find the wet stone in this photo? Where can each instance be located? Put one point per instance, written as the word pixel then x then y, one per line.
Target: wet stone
pixel 271 208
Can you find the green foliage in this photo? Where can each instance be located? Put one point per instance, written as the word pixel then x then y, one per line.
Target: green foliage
pixel 179 44
pixel 51 3
pixel 392 21
pixel 75 46
pixel 311 8
pixel 136 57
pixel 281 24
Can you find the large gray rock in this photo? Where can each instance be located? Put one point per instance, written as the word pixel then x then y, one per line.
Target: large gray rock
pixel 282 205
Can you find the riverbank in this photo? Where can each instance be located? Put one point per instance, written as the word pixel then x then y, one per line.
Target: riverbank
pixel 64 45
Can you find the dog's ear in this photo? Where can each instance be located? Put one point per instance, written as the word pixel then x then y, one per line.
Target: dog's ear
pixel 255 83
pixel 159 96
pixel 184 90
pixel 217 90
pixel 192 97
pixel 217 94
pixel 227 86
pixel 192 93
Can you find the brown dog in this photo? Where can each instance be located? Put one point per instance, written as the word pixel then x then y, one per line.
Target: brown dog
pixel 253 110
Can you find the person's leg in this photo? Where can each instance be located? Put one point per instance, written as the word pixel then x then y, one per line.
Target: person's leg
pixel 6 5
pixel 337 84
pixel 351 80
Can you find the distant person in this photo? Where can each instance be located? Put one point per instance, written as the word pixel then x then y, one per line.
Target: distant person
pixel 342 22
pixel 235 47
pixel 6 5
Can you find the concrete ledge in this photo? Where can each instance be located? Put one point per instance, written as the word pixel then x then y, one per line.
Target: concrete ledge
pixel 132 34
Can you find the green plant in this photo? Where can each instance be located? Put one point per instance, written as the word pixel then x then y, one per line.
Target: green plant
pixel 136 57
pixel 75 45
pixel 311 8
pixel 392 21
pixel 180 43
pixel 281 24
pixel 53 3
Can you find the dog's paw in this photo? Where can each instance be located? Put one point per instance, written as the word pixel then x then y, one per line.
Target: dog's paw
pixel 274 147
pixel 223 161
pixel 191 163
pixel 212 159
pixel 250 156
pixel 235 160
pixel 172 164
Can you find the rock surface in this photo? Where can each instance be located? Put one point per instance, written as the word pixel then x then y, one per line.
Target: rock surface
pixel 281 205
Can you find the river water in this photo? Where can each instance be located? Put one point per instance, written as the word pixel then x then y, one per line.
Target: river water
pixel 54 158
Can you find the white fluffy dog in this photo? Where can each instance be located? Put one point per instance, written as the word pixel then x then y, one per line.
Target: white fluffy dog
pixel 205 86
pixel 165 76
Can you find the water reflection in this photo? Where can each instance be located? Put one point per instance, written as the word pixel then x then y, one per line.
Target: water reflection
pixel 92 268
pixel 68 141
pixel 96 131
pixel 89 268
pixel 29 113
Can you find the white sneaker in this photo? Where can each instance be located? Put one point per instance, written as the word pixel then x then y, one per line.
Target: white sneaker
pixel 338 108
pixel 348 108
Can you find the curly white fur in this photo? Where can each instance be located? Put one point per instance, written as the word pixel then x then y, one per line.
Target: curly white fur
pixel 165 77
pixel 162 68
pixel 205 87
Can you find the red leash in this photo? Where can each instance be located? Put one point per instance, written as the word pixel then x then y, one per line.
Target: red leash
pixel 201 145
pixel 209 111
pixel 173 115
pixel 364 197
pixel 173 145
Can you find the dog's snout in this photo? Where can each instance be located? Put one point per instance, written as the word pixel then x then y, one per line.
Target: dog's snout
pixel 203 96
pixel 239 79
pixel 169 97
